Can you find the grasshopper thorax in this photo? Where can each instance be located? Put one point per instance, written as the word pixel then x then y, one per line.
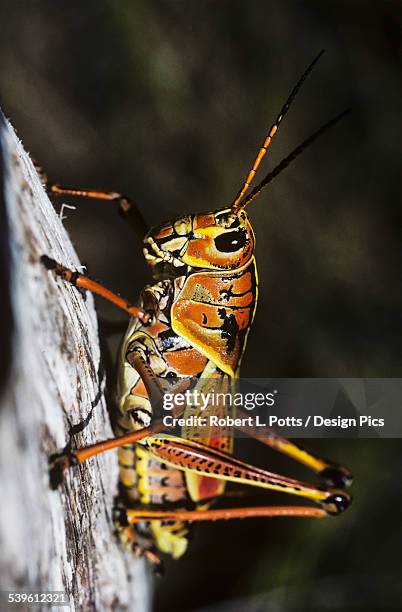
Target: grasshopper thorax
pixel 216 241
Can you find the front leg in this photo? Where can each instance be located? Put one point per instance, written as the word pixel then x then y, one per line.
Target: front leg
pixel 127 208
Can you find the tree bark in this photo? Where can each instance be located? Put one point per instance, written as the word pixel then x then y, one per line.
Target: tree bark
pixel 59 540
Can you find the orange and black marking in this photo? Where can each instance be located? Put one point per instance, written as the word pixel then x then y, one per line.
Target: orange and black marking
pixel 203 310
pixel 190 331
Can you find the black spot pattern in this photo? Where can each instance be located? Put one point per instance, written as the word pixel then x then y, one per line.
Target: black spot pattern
pixel 229 329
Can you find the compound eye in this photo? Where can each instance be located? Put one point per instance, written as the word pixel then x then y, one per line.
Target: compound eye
pixel 230 242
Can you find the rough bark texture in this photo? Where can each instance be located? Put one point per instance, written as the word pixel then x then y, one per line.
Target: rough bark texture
pixel 63 539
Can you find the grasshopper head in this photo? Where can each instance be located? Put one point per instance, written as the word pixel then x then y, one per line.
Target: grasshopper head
pixel 217 241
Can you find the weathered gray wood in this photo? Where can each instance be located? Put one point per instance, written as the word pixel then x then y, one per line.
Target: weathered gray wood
pixel 54 540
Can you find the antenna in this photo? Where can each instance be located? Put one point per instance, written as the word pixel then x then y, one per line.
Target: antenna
pixel 285 162
pixel 272 131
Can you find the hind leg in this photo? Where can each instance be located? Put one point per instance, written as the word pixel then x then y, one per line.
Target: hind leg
pixel 134 540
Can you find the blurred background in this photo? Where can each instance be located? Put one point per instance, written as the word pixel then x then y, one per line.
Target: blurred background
pixel 167 102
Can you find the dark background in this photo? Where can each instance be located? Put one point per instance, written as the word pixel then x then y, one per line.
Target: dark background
pixel 168 102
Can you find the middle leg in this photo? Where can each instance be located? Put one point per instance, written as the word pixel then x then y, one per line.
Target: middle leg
pixel 85 282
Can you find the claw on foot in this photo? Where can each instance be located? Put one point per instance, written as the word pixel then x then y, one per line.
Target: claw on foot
pixel 58 464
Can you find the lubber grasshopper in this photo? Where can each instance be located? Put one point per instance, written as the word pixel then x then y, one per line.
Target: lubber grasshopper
pixel 190 331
